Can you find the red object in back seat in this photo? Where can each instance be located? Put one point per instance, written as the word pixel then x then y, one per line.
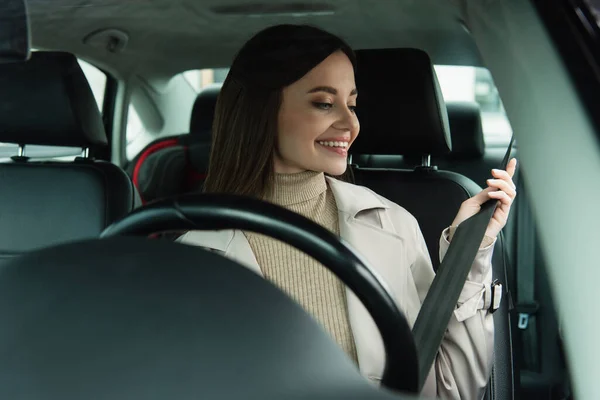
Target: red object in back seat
pixel 192 176
pixel 150 150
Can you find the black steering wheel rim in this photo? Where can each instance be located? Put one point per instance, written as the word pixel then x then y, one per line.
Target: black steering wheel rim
pixel 218 212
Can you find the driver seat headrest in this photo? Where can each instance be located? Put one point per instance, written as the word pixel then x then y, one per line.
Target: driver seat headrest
pixel 48 101
pixel 203 111
pixel 400 105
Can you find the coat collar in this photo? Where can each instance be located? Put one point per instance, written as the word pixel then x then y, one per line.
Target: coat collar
pixel 352 199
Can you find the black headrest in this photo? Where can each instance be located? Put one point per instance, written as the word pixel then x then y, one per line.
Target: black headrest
pixel 48 101
pixel 203 112
pixel 466 129
pixel 400 105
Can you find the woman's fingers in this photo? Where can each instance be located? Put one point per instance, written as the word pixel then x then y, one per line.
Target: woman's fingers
pixel 502 189
pixel 511 167
pixel 503 175
pixel 502 196
pixel 482 196
pixel 502 185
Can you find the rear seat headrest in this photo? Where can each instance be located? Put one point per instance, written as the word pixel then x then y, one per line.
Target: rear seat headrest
pixel 204 110
pixel 400 105
pixel 466 129
pixel 48 101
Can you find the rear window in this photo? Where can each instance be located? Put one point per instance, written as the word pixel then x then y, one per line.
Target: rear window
pixel 200 78
pixel 97 80
pixel 139 134
pixel 475 84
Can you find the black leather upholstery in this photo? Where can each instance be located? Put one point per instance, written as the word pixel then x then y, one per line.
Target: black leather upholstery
pixel 47 101
pixel 171 166
pixel 178 164
pixel 51 203
pixel 399 115
pixel 203 111
pixel 15 32
pixel 431 195
pixel 465 118
pixel 46 203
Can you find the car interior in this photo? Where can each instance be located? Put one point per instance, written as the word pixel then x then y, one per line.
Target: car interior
pixel 106 111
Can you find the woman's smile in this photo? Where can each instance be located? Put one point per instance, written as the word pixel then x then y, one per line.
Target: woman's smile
pixel 334 146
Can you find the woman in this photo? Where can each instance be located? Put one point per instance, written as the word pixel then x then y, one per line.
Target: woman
pixel 284 122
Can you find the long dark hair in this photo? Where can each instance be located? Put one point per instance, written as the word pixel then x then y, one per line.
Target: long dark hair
pixel 245 125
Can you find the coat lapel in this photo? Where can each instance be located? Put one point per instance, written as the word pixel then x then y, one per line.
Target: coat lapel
pixel 230 243
pixel 366 227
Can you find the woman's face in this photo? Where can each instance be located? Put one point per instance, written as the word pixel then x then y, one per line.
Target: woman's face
pixel 317 123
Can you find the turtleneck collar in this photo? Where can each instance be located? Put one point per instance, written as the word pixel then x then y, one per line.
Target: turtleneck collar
pixel 297 188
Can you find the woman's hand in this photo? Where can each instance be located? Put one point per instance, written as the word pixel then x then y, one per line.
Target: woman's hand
pixel 502 189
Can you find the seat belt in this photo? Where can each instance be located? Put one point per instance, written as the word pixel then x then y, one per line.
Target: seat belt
pixel 526 306
pixel 442 297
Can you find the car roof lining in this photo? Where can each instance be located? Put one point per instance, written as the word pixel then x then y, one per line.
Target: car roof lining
pixel 170 36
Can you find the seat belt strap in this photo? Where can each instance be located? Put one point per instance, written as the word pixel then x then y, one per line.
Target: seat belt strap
pixel 526 306
pixel 442 297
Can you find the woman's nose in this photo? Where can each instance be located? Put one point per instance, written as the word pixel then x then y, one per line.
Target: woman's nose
pixel 347 121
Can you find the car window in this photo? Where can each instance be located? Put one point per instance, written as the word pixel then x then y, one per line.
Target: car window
pixel 97 80
pixel 200 78
pixel 139 136
pixel 475 84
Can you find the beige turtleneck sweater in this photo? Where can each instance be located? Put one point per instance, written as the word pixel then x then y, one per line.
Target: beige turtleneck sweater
pixel 313 286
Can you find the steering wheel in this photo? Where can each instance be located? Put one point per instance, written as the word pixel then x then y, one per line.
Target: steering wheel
pixel 217 212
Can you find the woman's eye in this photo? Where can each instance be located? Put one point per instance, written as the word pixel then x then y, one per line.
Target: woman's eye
pixel 352 108
pixel 323 106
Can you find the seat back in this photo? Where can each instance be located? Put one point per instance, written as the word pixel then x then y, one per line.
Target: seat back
pixel 406 116
pixel 177 164
pixel 47 101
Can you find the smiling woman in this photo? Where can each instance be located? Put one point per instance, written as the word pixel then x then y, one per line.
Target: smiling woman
pixel 284 122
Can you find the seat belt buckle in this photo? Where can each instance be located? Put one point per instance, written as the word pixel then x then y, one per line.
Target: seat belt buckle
pixel 523 321
pixel 525 311
pixel 496 297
